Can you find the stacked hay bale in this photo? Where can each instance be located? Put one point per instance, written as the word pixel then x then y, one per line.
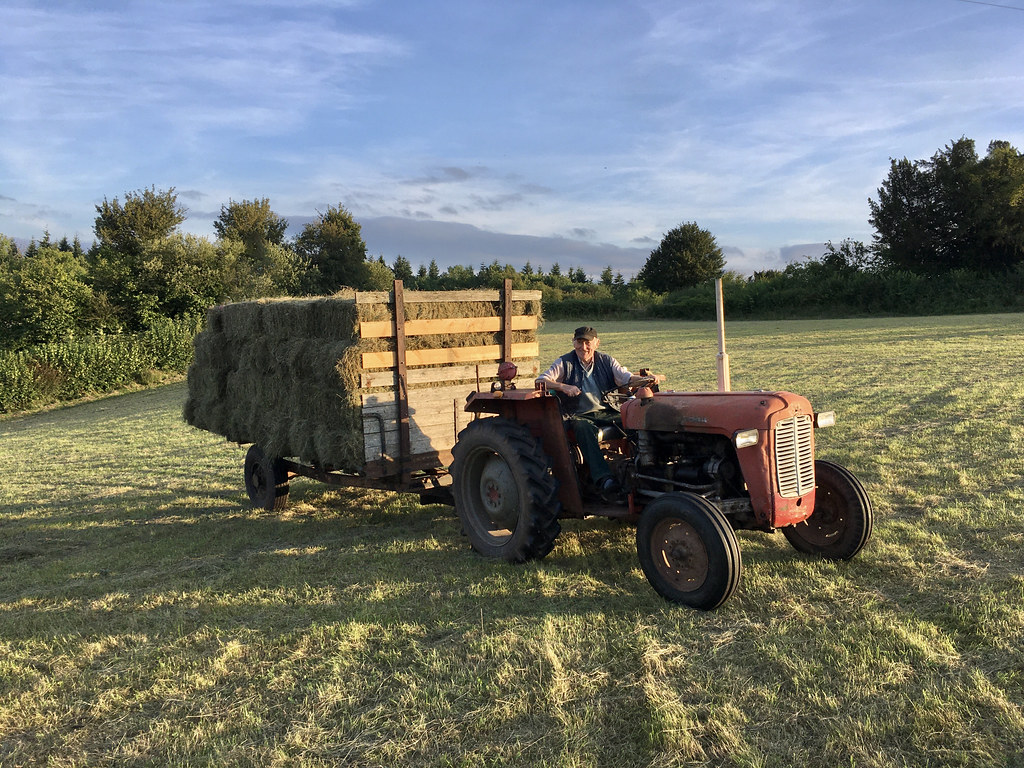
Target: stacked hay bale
pixel 314 379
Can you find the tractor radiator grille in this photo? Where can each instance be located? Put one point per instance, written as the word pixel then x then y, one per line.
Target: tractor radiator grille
pixel 794 456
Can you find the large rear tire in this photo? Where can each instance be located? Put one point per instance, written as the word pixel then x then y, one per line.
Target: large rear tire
pixel 688 551
pixel 266 480
pixel 505 493
pixel 842 519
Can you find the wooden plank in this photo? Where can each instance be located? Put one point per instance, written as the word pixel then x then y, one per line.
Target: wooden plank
pixel 436 416
pixel 426 406
pixel 449 355
pixel 435 430
pixel 437 438
pixel 380 329
pixel 443 297
pixel 528 371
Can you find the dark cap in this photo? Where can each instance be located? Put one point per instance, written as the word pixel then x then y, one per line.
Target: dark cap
pixel 585 332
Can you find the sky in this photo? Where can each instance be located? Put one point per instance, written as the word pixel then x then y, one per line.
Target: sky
pixel 464 131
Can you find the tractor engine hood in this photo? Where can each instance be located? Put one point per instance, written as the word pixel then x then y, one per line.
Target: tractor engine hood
pixel 715 412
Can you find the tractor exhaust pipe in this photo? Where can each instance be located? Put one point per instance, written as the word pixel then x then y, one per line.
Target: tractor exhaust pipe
pixel 724 384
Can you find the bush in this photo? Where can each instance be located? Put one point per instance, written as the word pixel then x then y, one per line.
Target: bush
pixel 66 370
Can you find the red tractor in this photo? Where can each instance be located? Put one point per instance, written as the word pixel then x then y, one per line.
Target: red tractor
pixel 694 468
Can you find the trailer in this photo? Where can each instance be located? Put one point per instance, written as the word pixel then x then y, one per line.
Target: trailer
pixel 388 372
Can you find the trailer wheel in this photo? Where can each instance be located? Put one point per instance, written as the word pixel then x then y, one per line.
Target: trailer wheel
pixel 266 480
pixel 842 519
pixel 505 493
pixel 688 551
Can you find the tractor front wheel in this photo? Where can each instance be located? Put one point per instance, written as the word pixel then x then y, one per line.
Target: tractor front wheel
pixel 505 493
pixel 688 551
pixel 841 522
pixel 266 480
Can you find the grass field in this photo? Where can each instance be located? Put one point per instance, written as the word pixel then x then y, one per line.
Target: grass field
pixel 149 618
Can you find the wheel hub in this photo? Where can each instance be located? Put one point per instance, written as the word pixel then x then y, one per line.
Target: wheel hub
pixel 680 555
pixel 499 495
pixel 827 522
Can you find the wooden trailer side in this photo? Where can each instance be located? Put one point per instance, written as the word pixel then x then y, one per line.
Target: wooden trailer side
pixel 413 401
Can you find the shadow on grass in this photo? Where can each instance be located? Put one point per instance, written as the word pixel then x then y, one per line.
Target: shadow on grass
pixel 332 556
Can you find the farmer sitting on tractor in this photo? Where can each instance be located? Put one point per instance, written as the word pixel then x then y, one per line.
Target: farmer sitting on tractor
pixel 583 380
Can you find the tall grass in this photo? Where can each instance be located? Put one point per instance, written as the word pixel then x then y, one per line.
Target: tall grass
pixel 148 617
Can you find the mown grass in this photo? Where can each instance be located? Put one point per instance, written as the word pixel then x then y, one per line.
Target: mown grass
pixel 148 617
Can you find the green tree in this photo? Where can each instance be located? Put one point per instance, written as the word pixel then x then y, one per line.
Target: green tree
pixel 8 248
pixel 850 256
pixel 686 256
pixel 403 271
pixel 146 216
pixel 607 278
pixel 252 222
pixel 458 277
pixel 953 211
pixel 429 278
pixel 378 276
pixel 334 246
pixel 267 267
pixel 43 298
pixel 121 264
pixel 1001 217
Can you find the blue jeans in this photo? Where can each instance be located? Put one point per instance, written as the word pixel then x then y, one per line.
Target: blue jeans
pixel 586 427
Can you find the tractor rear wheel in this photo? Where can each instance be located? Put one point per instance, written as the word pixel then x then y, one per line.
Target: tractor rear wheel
pixel 505 493
pixel 688 551
pixel 841 522
pixel 266 480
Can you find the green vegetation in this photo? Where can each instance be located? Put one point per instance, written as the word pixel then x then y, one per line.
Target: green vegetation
pixel 954 211
pixel 149 618
pixel 949 239
pixel 687 256
pixel 77 367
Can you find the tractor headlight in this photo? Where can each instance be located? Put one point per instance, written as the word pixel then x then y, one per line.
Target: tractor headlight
pixel 825 419
pixel 745 438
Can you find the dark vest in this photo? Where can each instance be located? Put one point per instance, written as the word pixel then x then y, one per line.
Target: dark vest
pixel 574 374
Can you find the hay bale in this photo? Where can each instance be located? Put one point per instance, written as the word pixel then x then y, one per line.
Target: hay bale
pixel 288 374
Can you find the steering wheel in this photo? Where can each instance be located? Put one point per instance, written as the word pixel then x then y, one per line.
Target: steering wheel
pixel 618 396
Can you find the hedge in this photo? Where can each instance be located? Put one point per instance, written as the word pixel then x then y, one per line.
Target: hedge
pixel 66 370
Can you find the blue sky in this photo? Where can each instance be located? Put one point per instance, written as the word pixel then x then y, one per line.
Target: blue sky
pixel 466 131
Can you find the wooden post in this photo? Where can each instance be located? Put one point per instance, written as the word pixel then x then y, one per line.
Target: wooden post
pixel 506 321
pixel 724 385
pixel 401 378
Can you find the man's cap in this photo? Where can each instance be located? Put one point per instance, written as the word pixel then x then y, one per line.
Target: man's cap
pixel 585 332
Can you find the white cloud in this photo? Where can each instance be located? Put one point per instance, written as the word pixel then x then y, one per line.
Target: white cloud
pixel 768 123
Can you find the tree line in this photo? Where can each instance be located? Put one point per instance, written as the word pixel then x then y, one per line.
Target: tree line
pixel 955 219
pixel 141 269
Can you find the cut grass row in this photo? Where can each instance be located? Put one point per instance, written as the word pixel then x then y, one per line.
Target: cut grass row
pixel 148 617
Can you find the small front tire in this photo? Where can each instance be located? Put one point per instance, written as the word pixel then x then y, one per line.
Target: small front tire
pixel 842 519
pixel 688 551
